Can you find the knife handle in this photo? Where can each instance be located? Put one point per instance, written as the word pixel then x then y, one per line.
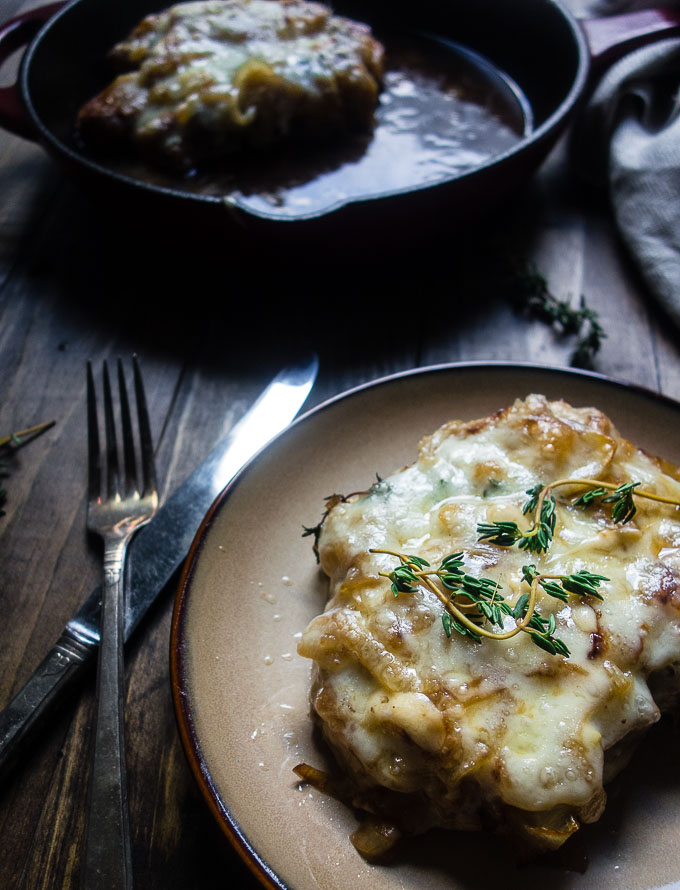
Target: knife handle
pixel 54 673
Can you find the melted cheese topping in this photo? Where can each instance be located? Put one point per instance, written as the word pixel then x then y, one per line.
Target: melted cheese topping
pixel 213 75
pixel 449 732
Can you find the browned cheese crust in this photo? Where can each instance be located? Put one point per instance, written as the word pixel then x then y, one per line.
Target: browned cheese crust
pixel 501 735
pixel 205 79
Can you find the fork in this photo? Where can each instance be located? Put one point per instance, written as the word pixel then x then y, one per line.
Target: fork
pixel 117 506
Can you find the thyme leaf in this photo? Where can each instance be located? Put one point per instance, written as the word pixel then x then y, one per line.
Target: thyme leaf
pixel 589 497
pixel 520 606
pixel 446 621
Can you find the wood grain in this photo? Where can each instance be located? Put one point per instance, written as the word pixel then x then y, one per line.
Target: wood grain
pixel 210 327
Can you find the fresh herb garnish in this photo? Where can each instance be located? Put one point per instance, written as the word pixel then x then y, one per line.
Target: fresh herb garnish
pixel 315 530
pixel 474 606
pixel 581 583
pixel 531 295
pixel 333 500
pixel 9 444
pixel 538 538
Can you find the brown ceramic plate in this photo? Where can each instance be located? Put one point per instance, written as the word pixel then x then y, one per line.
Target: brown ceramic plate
pixel 252 584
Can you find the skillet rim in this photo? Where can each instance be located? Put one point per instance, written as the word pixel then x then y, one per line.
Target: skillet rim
pixel 549 129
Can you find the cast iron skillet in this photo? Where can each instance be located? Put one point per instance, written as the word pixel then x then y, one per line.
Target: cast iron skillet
pixel 551 57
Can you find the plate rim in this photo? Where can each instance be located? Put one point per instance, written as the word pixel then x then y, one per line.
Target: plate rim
pixel 178 678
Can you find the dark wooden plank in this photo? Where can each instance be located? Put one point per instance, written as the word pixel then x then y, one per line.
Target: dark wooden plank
pixel 211 325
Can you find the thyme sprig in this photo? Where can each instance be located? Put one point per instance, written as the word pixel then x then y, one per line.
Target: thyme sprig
pixel 10 443
pixel 474 606
pixel 332 501
pixel 315 530
pixel 531 295
pixel 541 504
pixel 582 583
pixel 537 539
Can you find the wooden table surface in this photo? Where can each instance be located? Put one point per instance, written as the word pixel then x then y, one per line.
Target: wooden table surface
pixel 211 325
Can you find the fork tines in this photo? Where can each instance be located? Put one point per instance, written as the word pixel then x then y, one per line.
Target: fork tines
pixel 113 476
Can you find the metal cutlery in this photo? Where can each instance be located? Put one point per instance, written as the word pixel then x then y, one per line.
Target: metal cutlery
pixel 155 554
pixel 122 497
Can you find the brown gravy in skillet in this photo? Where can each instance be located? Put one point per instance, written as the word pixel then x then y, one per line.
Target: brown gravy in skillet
pixel 442 111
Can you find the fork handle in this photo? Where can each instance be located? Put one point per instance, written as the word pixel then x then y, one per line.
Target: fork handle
pixel 108 860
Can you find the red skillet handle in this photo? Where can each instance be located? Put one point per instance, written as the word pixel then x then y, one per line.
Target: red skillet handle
pixel 612 37
pixel 14 34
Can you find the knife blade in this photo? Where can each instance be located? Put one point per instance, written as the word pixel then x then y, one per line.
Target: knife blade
pixel 156 552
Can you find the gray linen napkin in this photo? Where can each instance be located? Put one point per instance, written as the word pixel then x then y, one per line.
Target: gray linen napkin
pixel 628 138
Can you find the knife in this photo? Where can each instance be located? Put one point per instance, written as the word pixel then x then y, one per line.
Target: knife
pixel 156 552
